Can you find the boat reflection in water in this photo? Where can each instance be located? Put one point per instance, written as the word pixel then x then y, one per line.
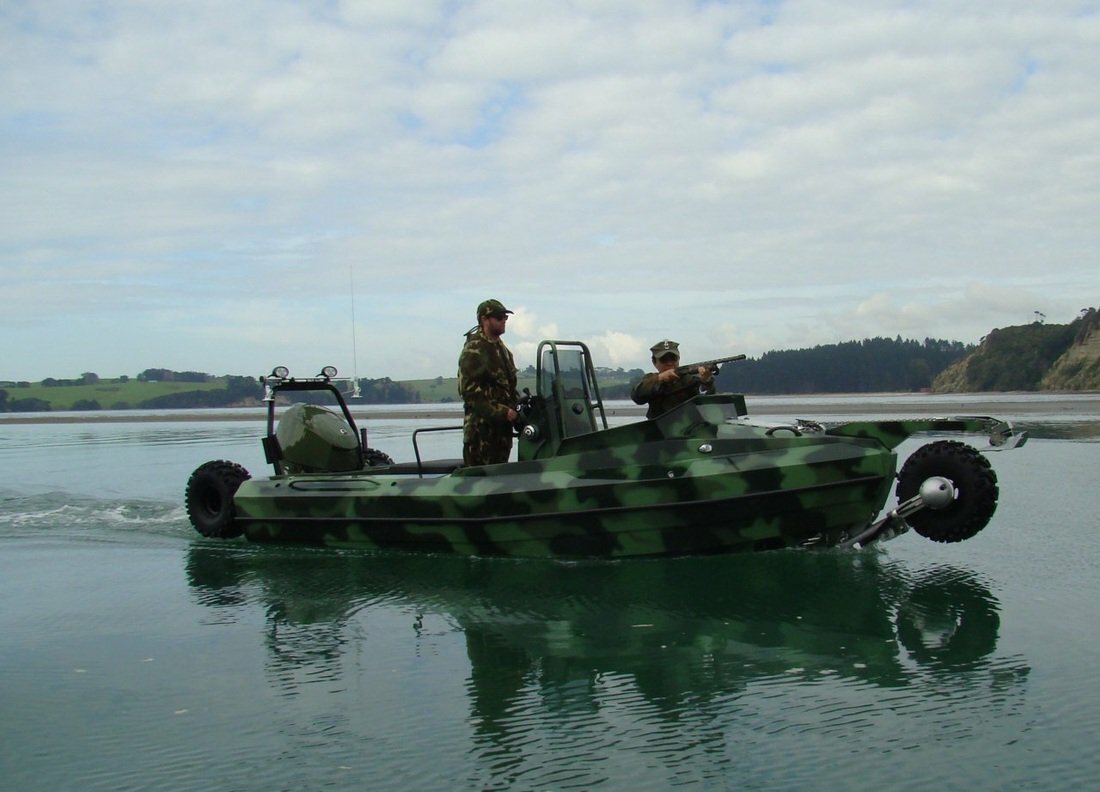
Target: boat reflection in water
pixel 682 631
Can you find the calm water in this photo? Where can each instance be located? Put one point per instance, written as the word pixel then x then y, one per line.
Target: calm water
pixel 135 654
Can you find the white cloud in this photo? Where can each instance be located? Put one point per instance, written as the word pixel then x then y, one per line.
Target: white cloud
pixel 739 176
pixel 620 350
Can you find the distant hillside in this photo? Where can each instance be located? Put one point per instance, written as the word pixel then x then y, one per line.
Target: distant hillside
pixel 167 391
pixel 1079 366
pixel 1024 358
pixel 874 365
pixel 1030 357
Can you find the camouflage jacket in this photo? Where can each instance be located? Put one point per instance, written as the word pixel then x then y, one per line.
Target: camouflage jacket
pixel 662 397
pixel 486 377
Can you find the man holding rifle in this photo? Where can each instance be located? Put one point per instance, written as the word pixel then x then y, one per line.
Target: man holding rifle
pixel 671 384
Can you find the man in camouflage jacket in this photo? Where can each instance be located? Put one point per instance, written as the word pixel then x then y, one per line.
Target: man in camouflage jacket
pixel 666 388
pixel 487 385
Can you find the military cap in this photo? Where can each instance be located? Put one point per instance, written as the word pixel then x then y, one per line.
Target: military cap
pixel 664 348
pixel 489 307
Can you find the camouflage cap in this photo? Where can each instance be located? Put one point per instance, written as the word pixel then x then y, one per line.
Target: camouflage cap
pixel 489 307
pixel 664 349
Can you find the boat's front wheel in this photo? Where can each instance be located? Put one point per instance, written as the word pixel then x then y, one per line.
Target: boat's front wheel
pixel 975 490
pixel 209 498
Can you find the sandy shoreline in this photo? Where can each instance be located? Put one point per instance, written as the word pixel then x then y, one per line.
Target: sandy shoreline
pixel 890 404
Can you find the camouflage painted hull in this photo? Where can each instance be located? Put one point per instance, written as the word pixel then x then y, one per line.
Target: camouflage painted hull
pixel 698 480
pixel 688 486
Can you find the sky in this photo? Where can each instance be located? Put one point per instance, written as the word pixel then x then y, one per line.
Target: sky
pixel 228 186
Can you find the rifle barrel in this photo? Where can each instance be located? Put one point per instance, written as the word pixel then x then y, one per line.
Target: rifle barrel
pixel 711 364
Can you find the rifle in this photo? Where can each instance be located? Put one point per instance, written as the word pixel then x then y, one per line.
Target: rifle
pixel 713 365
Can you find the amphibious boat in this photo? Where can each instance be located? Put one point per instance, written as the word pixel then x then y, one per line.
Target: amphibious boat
pixel 701 479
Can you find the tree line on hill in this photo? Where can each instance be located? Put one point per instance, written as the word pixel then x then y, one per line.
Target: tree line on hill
pixel 878 364
pixel 371 391
pixel 237 391
pixel 874 365
pixel 30 404
pixel 1027 357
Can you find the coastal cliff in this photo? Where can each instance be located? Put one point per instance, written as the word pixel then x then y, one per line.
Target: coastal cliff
pixel 1079 366
pixel 1030 358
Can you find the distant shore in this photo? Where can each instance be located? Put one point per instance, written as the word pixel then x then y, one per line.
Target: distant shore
pixel 807 406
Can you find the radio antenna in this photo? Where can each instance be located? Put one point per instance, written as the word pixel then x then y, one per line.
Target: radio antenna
pixel 354 352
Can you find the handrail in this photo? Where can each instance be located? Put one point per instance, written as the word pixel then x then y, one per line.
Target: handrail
pixel 416 447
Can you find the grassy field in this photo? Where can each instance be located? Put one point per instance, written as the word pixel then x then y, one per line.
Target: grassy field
pixel 109 393
pixel 116 394
pixel 445 389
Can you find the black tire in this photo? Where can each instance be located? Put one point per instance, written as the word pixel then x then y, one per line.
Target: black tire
pixel 372 457
pixel 209 498
pixel 975 490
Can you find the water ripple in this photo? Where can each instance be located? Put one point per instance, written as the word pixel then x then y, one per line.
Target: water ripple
pixel 160 659
pixel 59 514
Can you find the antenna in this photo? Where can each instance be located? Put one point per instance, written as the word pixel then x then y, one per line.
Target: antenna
pixel 354 353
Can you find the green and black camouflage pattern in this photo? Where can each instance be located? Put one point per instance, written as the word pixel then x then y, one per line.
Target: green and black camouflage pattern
pixel 700 479
pixel 487 386
pixel 696 481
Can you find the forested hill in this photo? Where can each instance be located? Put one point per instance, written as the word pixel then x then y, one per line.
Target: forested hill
pixel 1031 357
pixel 876 365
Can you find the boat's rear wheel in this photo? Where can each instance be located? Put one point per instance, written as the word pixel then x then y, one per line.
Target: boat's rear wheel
pixel 209 498
pixel 948 619
pixel 975 490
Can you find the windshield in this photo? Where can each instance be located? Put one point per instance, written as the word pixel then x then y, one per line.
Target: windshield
pixel 570 371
